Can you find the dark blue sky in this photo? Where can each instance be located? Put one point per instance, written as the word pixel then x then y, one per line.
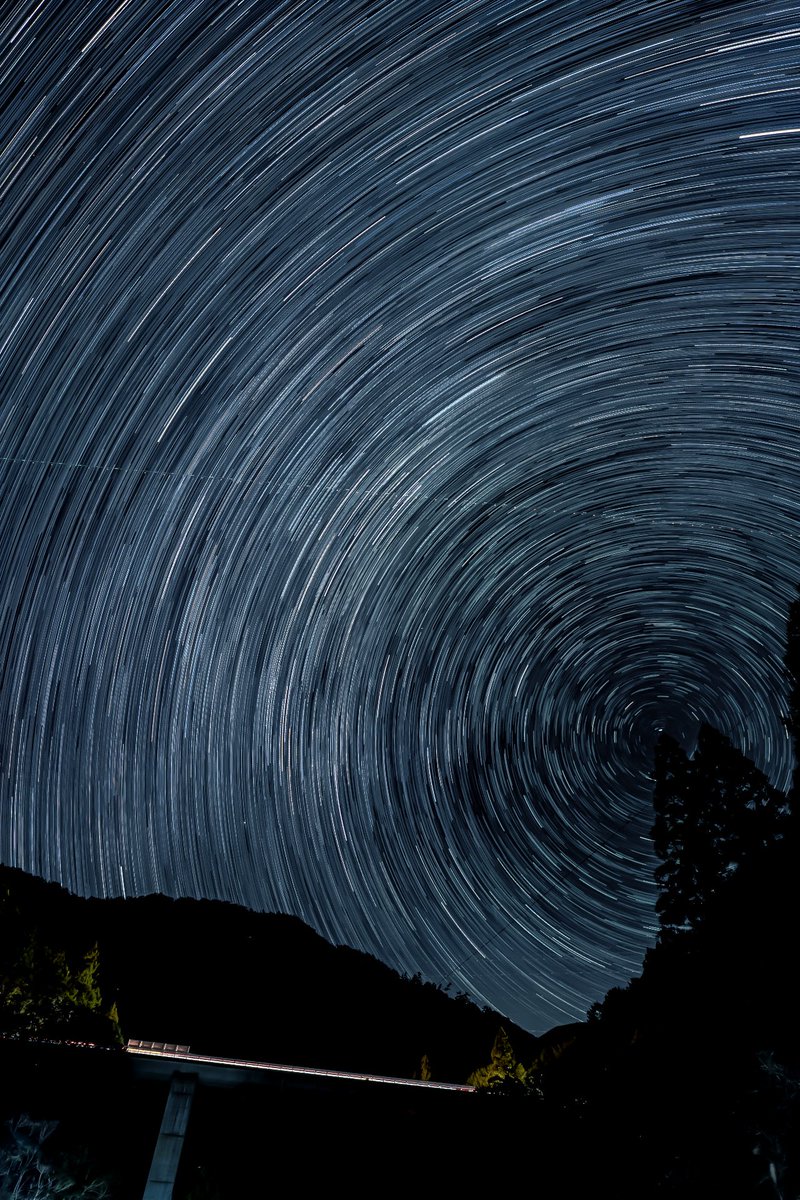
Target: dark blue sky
pixel 399 426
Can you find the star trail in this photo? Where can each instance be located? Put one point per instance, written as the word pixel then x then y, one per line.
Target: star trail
pixel 398 429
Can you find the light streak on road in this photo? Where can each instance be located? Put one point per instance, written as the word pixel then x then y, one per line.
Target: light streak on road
pixel 182 1054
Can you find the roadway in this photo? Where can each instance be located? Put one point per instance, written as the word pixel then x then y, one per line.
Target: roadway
pixel 213 1069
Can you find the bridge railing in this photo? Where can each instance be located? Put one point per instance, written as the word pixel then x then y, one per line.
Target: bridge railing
pixel 161 1047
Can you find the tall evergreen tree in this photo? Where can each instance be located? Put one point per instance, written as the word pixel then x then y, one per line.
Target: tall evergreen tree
pixel 672 835
pixel 715 815
pixel 503 1068
pixel 792 665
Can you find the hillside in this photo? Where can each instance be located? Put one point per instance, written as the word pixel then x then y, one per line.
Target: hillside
pixel 226 980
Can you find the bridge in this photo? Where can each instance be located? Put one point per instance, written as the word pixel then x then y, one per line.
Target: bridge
pixel 184 1070
pixel 230 1120
pixel 228 1071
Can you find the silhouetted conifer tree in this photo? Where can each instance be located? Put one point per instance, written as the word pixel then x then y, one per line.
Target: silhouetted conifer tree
pixel 716 814
pixel 792 665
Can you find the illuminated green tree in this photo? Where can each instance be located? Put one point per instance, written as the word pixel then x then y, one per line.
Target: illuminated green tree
pixel 42 992
pixel 503 1067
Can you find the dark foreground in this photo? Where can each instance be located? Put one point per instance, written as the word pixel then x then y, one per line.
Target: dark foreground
pixel 247 1140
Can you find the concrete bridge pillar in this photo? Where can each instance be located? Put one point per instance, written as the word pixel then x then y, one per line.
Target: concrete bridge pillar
pixel 167 1154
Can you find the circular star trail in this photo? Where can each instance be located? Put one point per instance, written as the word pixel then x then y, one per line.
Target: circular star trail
pixel 399 425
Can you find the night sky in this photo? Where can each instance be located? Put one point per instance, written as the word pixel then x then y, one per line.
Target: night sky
pixel 399 411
